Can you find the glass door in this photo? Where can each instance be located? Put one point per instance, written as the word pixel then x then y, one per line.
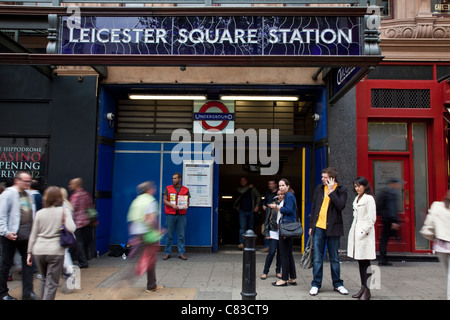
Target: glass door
pixel 383 169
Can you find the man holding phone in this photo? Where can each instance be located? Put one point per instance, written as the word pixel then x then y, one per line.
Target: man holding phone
pixel 326 227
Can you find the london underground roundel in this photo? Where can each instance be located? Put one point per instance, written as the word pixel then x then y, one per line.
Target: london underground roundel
pixel 216 112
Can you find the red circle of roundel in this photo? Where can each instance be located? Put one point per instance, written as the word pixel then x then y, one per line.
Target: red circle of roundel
pixel 222 108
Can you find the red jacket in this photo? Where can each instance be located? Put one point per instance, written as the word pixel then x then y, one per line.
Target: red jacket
pixel 173 196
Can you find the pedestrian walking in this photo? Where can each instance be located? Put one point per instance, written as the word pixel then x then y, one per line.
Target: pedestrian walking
pixel 144 233
pixel 36 195
pixel 176 202
pixel 16 219
pixel 272 236
pixel 436 228
pixel 81 200
pixel 44 246
pixel 329 200
pixel 68 263
pixel 388 208
pixel 361 237
pixel 247 204
pixel 288 212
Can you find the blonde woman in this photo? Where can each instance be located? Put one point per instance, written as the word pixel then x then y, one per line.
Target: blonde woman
pixel 68 262
pixel 437 228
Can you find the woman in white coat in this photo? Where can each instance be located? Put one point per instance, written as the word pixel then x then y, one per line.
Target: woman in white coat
pixel 437 228
pixel 361 237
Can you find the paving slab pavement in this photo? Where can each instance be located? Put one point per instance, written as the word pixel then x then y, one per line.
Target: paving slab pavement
pixel 218 276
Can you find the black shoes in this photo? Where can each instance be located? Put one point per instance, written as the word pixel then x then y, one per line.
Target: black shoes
pixel 31 296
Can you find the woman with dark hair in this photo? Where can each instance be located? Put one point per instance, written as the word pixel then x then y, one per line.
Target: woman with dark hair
pixel 44 246
pixel 288 211
pixel 361 237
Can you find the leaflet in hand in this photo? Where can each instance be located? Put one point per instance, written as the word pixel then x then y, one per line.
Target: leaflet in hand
pixel 182 201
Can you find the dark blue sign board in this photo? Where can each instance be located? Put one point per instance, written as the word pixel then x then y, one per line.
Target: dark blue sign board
pixel 343 79
pixel 212 35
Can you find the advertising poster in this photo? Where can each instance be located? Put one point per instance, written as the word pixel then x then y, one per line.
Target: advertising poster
pixel 23 154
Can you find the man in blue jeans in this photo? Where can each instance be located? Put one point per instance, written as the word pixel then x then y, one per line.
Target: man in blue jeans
pixel 176 202
pixel 247 204
pixel 326 227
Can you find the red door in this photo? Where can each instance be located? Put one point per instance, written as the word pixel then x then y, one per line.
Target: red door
pixel 382 169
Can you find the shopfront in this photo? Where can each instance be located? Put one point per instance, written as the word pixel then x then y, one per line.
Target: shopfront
pixel 402 134
pixel 281 66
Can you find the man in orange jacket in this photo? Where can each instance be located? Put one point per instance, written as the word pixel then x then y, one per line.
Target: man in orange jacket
pixel 176 201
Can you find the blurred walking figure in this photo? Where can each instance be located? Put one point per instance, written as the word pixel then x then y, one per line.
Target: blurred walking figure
pixel 271 233
pixel 361 237
pixel 36 195
pixel 144 233
pixel 68 263
pixel 437 228
pixel 81 201
pixel 388 208
pixel 44 243
pixel 16 219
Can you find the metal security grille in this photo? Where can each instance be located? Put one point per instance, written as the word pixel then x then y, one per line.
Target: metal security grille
pixel 164 116
pixel 401 98
pixel 153 116
pixel 291 118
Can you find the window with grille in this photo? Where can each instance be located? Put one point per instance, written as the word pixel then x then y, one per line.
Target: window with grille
pixel 164 116
pixel 291 118
pixel 154 116
pixel 401 98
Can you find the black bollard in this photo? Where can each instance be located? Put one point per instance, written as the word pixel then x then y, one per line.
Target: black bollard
pixel 249 266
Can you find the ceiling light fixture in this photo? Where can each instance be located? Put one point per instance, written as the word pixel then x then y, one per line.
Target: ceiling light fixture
pixel 165 97
pixel 259 98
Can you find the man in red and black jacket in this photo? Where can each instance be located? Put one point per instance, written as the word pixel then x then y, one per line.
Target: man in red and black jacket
pixel 176 201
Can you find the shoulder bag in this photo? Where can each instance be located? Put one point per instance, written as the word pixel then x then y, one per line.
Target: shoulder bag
pixel 66 239
pixel 306 262
pixel 291 229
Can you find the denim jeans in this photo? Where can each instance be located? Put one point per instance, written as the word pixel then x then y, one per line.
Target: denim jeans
pixel 175 222
pixel 332 243
pixel 246 221
pixel 273 249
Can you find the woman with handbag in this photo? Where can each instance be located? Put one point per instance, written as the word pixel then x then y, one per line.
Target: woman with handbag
pixel 361 237
pixel 437 228
pixel 44 243
pixel 271 234
pixel 288 212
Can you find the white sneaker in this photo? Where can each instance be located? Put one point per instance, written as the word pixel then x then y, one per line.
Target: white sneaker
pixel 341 290
pixel 314 291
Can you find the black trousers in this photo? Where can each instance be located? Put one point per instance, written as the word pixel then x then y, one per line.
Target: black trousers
pixel 9 248
pixel 80 252
pixel 385 235
pixel 288 270
pixel 363 271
